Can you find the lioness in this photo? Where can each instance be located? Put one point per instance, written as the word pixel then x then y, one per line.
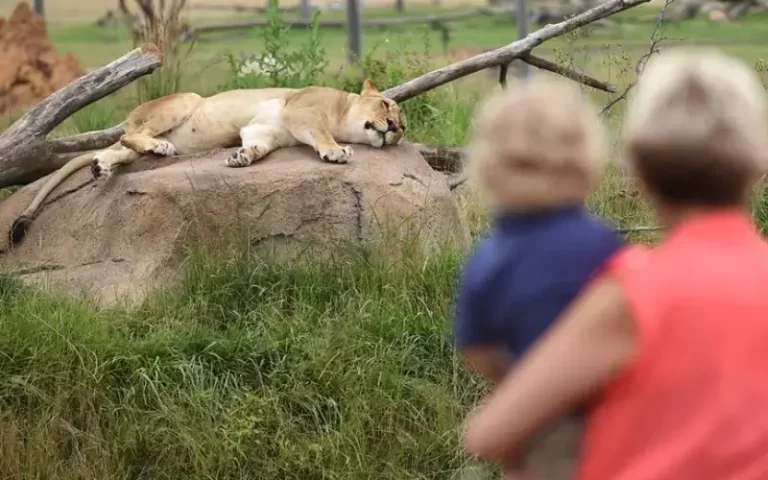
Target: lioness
pixel 260 120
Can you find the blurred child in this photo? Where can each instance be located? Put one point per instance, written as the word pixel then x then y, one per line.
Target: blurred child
pixel 670 346
pixel 537 153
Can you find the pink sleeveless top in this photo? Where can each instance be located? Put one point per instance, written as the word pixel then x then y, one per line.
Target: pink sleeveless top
pixel 693 404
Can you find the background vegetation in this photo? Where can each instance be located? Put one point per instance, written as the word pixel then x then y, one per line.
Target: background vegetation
pixel 332 370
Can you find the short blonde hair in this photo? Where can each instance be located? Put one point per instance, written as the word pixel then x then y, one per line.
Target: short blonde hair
pixel 696 129
pixel 538 145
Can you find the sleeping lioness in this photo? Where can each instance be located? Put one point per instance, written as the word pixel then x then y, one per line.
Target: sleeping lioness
pixel 259 120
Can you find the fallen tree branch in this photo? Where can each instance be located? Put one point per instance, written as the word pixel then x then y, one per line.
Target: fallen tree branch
pixel 25 155
pixel 87 141
pixel 504 55
pixel 653 48
pixel 566 72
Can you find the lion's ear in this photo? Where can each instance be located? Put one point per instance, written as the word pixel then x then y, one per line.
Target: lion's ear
pixel 369 88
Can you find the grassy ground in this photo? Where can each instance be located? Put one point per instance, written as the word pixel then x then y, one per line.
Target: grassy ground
pixel 253 370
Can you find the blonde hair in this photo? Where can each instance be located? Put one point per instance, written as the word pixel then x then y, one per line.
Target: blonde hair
pixel 696 128
pixel 538 145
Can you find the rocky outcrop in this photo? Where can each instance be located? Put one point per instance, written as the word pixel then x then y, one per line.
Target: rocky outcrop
pixel 113 239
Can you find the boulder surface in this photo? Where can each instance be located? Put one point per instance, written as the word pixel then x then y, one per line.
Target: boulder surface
pixel 112 239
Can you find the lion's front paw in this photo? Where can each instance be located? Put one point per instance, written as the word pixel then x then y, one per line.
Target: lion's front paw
pixel 100 169
pixel 337 154
pixel 241 158
pixel 164 148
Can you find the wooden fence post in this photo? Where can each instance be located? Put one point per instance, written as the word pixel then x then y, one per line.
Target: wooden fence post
pixel 306 10
pixel 522 31
pixel 40 8
pixel 354 35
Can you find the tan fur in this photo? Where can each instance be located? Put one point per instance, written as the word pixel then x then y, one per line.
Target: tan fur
pixel 258 120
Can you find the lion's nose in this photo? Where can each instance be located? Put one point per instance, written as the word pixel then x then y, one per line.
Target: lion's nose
pixel 391 127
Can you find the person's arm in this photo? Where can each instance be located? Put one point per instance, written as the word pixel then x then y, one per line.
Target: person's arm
pixel 489 361
pixel 474 338
pixel 590 343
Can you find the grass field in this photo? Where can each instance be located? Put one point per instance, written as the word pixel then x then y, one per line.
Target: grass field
pixel 318 370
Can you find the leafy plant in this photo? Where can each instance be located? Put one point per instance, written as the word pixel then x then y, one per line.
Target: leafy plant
pixel 163 27
pixel 279 65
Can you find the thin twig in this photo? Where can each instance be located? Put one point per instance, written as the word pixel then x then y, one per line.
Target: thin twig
pixel 624 231
pixel 653 48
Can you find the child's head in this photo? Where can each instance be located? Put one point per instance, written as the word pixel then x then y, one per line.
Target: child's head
pixel 696 132
pixel 538 145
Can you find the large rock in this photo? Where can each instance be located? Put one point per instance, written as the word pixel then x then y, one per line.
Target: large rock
pixel 114 238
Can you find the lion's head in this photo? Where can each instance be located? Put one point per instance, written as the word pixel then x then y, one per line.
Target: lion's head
pixel 383 121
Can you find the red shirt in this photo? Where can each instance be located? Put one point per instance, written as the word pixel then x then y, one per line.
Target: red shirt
pixel 693 403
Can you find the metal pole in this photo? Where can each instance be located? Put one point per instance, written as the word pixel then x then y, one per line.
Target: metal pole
pixel 39 8
pixel 354 22
pixel 306 10
pixel 522 32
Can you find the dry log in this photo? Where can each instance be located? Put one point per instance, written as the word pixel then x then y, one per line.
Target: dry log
pixel 25 155
pixel 504 55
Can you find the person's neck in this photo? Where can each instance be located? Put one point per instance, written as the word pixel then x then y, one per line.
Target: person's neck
pixel 672 216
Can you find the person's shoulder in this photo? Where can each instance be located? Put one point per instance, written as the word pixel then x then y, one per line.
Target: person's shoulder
pixel 633 257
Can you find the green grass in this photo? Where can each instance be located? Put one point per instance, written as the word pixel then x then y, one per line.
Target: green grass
pixel 249 370
pixel 315 370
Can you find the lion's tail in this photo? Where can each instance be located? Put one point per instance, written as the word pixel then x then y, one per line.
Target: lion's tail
pixel 23 221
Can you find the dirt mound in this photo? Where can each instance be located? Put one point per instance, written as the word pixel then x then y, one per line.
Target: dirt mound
pixel 112 240
pixel 30 69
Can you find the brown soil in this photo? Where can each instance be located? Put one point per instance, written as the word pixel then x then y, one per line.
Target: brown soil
pixel 30 69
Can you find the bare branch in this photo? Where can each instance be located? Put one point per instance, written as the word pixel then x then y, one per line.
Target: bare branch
pixel 653 48
pixel 87 141
pixel 505 55
pixel 624 231
pixel 567 73
pixel 25 155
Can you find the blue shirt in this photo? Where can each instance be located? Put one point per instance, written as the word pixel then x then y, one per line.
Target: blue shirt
pixel 525 273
